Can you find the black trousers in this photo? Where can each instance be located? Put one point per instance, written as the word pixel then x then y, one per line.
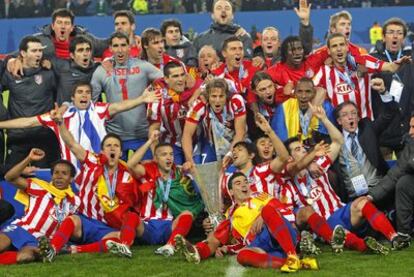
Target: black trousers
pixel 404 203
pixel 6 211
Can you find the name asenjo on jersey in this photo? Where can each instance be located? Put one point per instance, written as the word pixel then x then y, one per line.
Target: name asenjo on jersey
pixel 126 71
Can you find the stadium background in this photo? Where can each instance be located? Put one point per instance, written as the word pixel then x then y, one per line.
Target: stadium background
pixel 144 262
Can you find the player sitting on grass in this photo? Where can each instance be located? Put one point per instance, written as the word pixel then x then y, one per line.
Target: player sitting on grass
pixel 274 246
pixel 268 177
pixel 168 198
pixel 106 192
pixel 303 190
pixel 48 204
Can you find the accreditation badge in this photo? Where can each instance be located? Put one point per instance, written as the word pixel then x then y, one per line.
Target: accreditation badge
pixel 396 90
pixel 360 184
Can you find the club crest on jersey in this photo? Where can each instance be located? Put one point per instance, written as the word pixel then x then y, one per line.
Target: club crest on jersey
pixel 343 88
pixel 309 73
pixel 38 79
pixel 315 193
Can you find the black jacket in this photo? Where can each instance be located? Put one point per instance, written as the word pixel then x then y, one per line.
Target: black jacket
pixel 392 136
pixel 29 96
pixel 368 133
pixel 216 34
pixel 184 51
pixel 68 73
pixel 405 165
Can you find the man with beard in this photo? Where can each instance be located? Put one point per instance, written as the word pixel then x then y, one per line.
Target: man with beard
pixel 30 95
pixel 153 48
pixel 128 79
pixel 222 28
pixel 293 66
pixel 294 118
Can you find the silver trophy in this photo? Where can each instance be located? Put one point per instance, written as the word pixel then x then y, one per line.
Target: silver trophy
pixel 207 177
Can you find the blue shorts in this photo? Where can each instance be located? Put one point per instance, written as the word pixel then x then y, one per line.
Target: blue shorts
pixel 269 244
pixel 178 155
pixel 19 237
pixel 93 230
pixel 134 144
pixel 342 217
pixel 207 153
pixel 156 231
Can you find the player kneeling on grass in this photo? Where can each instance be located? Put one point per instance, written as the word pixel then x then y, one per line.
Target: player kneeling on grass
pixel 272 246
pixel 48 204
pixel 169 201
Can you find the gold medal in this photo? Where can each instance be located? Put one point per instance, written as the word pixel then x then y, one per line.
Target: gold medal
pixel 112 203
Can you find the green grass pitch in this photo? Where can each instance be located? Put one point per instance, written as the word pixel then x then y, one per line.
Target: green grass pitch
pixel 145 263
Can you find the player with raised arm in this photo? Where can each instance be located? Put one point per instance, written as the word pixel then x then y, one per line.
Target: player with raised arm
pixel 84 119
pixel 107 193
pixel 47 206
pixel 302 190
pixel 169 201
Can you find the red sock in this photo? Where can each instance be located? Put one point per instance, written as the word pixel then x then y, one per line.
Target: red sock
pixel 278 228
pixel 354 242
pixel 8 257
pixel 319 225
pixel 203 250
pixel 63 233
pixel 378 220
pixel 129 226
pixel 248 257
pixel 182 227
pixel 95 247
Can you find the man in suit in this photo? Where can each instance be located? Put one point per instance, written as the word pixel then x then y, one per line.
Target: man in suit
pixel 400 179
pixel 399 84
pixel 360 164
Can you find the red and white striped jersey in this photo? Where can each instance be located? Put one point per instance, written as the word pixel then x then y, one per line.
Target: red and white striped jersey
pixel 43 214
pixel 300 192
pixel 239 78
pixel 261 179
pixel 74 121
pixel 171 114
pixel 357 89
pixel 200 112
pixel 87 180
pixel 148 210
